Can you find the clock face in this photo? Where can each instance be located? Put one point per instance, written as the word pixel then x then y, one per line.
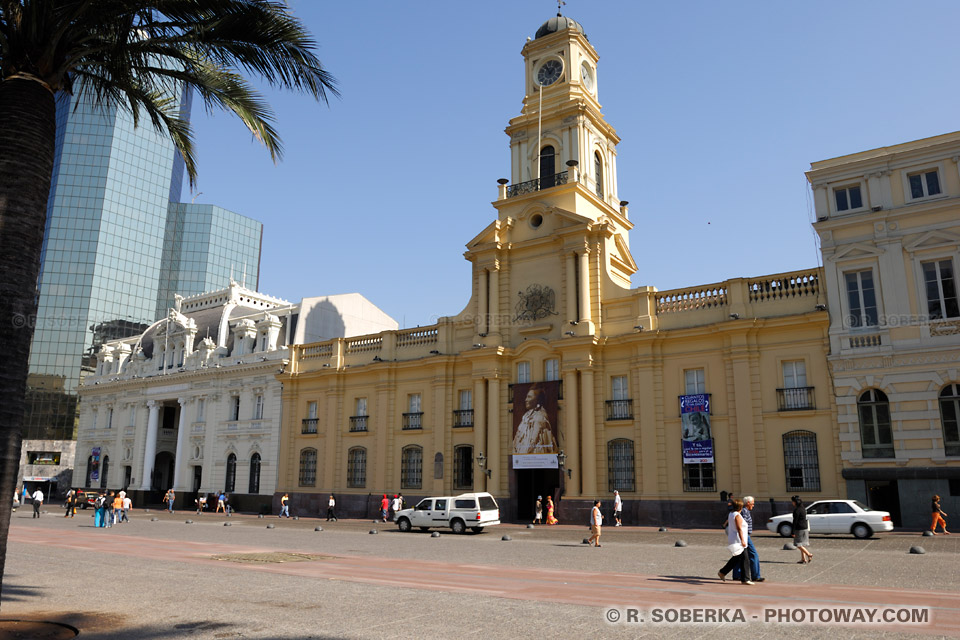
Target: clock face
pixel 549 72
pixel 586 73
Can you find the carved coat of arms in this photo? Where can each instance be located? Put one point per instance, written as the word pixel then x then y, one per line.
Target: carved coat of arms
pixel 536 303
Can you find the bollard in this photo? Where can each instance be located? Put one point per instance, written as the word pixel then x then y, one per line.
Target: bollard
pixel 680 543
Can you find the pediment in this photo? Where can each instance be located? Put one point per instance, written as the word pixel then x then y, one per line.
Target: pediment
pixel 857 250
pixel 933 240
pixel 622 257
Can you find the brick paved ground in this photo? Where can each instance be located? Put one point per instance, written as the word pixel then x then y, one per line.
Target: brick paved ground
pixel 158 580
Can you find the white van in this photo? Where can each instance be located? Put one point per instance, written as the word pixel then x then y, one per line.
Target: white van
pixel 474 510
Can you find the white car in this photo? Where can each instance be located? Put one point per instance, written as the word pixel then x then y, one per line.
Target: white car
pixel 836 516
pixel 474 510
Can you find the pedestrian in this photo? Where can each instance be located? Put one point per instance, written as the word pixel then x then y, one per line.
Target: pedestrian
pixel 395 505
pixel 16 499
pixel 938 517
pixel 596 521
pixel 550 518
pixel 403 503
pixel 37 502
pixel 736 544
pixel 227 508
pixel 801 530
pixel 617 508
pixel 538 510
pixel 331 509
pixel 221 502
pixel 169 498
pixel 201 504
pixel 384 507
pixel 68 503
pixel 99 510
pixel 127 505
pixel 284 506
pixel 117 508
pixel 753 560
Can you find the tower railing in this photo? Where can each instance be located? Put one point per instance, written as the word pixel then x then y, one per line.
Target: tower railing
pixel 537 184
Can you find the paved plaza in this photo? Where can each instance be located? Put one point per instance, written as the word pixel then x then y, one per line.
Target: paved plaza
pixel 168 579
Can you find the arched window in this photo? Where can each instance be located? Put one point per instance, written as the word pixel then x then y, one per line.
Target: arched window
pixel 254 474
pixel 548 167
pixel 463 467
pixel 876 437
pixel 104 468
pixel 308 468
pixel 598 172
pixel 357 467
pixel 620 473
pixel 230 483
pixel 800 461
pixel 950 418
pixel 90 467
pixel 411 467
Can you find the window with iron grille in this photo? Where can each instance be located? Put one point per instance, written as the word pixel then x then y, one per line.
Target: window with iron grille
pixel 357 467
pixel 800 461
pixel 620 471
pixel 230 483
pixel 463 467
pixel 308 467
pixel 699 477
pixel 950 418
pixel 411 467
pixel 254 485
pixel 876 436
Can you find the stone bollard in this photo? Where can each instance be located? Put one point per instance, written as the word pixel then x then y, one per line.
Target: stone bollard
pixel 917 550
pixel 154 519
pixel 507 538
pixel 373 531
pixel 680 543
pixel 927 534
pixel 318 529
pixel 271 526
pixel 435 534
pixel 227 524
pixel 585 541
pixel 662 529
pixel 189 522
pixel 789 546
pixel 530 526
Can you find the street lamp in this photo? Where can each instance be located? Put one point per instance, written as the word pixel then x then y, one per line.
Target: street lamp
pixel 481 462
pixel 562 460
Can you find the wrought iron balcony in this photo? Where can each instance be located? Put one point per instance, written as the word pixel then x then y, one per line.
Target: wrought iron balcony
pixel 413 420
pixel 309 425
pixel 537 184
pixel 358 423
pixel 462 418
pixel 795 399
pixel 619 409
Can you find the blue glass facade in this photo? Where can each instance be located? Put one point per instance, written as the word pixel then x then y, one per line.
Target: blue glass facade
pixel 103 261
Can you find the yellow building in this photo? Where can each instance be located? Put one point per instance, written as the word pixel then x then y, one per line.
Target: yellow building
pixel 432 410
pixel 889 226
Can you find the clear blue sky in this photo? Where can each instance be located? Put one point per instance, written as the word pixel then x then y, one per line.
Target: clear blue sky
pixel 721 107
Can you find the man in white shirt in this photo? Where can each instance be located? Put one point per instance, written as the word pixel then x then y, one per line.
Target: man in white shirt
pixel 617 507
pixel 127 505
pixel 596 521
pixel 37 502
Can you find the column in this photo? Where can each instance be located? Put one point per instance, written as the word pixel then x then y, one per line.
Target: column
pixel 572 288
pixel 178 483
pixel 150 454
pixel 479 427
pixel 493 432
pixel 482 301
pixel 589 434
pixel 493 306
pixel 585 287
pixel 571 432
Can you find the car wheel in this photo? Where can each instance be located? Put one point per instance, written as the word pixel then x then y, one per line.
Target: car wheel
pixel 861 530
pixel 785 529
pixel 458 526
pixel 476 529
pixel 404 524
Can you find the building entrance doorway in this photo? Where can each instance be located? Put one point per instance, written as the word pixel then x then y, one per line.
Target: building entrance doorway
pixel 532 483
pixel 163 471
pixel 197 476
pixel 884 495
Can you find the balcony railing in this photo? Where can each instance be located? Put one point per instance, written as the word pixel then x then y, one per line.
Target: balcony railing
pixel 462 418
pixel 358 423
pixel 619 409
pixel 536 184
pixel 309 425
pixel 413 420
pixel 795 399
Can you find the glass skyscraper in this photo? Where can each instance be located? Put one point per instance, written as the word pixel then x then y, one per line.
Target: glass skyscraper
pixel 117 246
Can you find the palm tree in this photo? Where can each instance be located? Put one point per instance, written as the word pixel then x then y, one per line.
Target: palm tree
pixel 132 54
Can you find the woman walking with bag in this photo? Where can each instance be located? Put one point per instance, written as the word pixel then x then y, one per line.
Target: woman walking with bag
pixel 736 545
pixel 801 530
pixel 938 517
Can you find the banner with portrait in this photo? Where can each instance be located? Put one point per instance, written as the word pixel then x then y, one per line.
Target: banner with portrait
pixel 535 443
pixel 695 431
pixel 95 463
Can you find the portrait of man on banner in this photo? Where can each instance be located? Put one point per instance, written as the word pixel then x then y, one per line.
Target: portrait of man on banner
pixel 535 420
pixel 696 426
pixel 697 440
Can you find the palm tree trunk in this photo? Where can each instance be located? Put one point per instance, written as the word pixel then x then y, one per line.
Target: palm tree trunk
pixel 27 134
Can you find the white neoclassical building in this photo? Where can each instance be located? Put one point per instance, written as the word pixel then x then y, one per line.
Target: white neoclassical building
pixel 193 403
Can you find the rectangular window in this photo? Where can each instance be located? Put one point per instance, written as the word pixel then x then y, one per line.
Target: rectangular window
pixel 861 298
pixel 694 382
pixel 795 393
pixel 620 473
pixel 698 477
pixel 620 407
pixel 201 409
pixel 941 289
pixel 109 418
pixel 312 410
pixel 308 468
pixel 523 372
pixel 133 415
pixel 466 399
pixel 412 419
pixel 357 467
pixel 413 403
pixel 362 407
pixel 924 184
pixel 263 342
pixel 235 408
pixel 411 468
pixel 463 467
pixel 800 461
pixel 258 407
pixel 43 457
pixel 551 369
pixel 848 198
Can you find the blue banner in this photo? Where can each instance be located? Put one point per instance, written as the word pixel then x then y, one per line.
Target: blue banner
pixel 695 433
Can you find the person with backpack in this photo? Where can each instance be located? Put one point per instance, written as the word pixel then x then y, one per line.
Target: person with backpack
pixel 99 510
